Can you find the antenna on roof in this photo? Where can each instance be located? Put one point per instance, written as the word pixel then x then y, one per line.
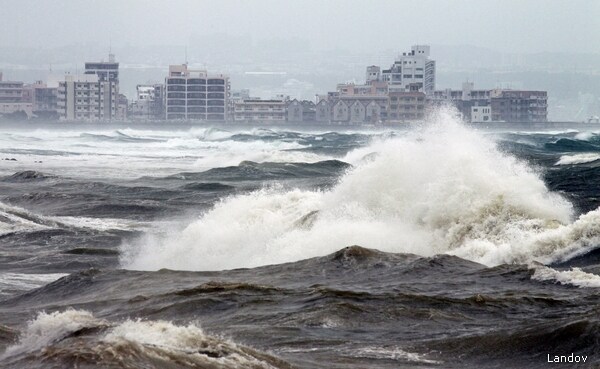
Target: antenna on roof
pixel 111 56
pixel 186 59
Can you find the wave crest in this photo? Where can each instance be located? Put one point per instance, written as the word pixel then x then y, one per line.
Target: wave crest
pixel 76 337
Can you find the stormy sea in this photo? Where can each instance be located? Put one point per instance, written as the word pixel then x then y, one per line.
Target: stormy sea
pixel 438 246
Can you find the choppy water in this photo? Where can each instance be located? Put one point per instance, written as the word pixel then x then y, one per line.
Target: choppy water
pixel 439 246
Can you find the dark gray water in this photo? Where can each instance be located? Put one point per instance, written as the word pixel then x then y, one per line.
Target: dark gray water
pixel 438 247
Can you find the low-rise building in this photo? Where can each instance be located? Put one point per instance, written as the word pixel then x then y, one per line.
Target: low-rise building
pixel 354 109
pixel 463 100
pixel 504 104
pixel 294 111
pixel 12 98
pixel 406 106
pixel 323 111
pixel 149 103
pixel 340 111
pixel 258 110
pixel 370 88
pixel 309 111
pixel 519 106
pixel 357 112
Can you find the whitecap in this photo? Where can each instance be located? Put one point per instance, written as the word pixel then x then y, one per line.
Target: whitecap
pixel 577 159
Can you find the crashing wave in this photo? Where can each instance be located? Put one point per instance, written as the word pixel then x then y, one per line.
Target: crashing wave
pixel 16 219
pixel 78 338
pixel 577 159
pixel 441 189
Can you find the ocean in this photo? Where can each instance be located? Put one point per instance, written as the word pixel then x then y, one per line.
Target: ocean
pixel 438 246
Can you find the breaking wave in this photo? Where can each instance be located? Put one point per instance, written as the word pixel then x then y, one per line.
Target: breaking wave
pixel 440 189
pixel 578 159
pixel 575 276
pixel 77 338
pixel 16 219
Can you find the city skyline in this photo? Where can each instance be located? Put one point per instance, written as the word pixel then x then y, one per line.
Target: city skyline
pixel 303 49
pixel 404 92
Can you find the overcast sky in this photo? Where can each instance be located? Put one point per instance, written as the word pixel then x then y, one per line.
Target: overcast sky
pixel 365 25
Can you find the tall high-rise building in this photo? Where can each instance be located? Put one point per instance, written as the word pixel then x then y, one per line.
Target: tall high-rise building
pixel 194 94
pixel 411 69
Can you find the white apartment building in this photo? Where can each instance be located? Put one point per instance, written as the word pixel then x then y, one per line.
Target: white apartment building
pixel 93 95
pixel 84 97
pixel 414 68
pixel 194 94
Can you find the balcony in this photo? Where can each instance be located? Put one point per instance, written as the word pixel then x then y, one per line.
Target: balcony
pixel 215 88
pixel 199 88
pixel 176 95
pixel 176 88
pixel 176 81
pixel 196 95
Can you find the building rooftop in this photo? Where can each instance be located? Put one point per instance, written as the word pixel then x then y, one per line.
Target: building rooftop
pixel 262 101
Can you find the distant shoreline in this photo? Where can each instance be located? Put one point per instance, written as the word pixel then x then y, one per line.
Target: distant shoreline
pixel 162 125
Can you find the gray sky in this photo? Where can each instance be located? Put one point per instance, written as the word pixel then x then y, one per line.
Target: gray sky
pixel 363 25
